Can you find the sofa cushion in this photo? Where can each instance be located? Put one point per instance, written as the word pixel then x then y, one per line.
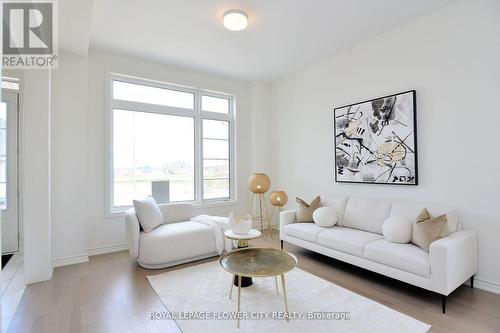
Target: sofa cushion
pixel 148 213
pixel 411 211
pixel 407 257
pixel 365 214
pixel 337 203
pixel 306 231
pixel 347 240
pixel 176 241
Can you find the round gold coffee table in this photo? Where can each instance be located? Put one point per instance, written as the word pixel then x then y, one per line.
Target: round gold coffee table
pixel 257 262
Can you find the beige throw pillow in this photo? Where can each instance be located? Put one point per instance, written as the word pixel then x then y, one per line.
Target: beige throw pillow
pixel 305 211
pixel 427 229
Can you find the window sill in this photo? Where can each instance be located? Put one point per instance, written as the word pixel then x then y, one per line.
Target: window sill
pixel 117 213
pixel 216 204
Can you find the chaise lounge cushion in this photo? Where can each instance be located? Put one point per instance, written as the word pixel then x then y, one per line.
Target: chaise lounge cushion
pixel 177 212
pixel 306 231
pixel 176 241
pixel 148 213
pixel 407 257
pixel 365 214
pixel 347 240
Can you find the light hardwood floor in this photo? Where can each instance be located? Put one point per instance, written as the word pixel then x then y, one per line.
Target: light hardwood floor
pixel 111 294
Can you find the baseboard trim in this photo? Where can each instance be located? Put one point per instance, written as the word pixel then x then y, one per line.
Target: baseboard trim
pixel 71 260
pixel 83 258
pixel 107 249
pixel 492 287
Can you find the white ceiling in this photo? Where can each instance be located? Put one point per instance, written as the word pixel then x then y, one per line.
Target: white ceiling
pixel 282 37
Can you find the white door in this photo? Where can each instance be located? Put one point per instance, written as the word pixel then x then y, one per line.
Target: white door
pixel 9 108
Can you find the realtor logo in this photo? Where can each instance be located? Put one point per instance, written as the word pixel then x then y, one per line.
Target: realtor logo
pixel 29 34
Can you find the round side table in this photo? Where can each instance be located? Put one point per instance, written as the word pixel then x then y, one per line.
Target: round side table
pixel 242 242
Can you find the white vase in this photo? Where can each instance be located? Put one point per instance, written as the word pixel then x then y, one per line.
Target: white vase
pixel 240 227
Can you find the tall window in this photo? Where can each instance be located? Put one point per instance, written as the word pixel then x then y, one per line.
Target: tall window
pixel 175 137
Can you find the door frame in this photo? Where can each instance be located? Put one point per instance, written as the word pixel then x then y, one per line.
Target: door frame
pixel 16 94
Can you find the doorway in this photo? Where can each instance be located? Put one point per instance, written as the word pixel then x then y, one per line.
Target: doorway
pixel 9 171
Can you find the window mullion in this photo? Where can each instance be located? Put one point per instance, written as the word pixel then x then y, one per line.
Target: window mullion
pixel 151 108
pixel 216 116
pixel 134 160
pixel 232 151
pixel 198 148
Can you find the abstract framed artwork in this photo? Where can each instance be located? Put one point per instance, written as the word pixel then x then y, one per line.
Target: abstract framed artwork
pixel 376 141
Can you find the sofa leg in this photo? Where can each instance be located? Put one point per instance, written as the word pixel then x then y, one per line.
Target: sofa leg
pixel 472 281
pixel 281 242
pixel 443 303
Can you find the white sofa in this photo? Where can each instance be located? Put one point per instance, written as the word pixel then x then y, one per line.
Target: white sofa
pixel 177 241
pixel 358 240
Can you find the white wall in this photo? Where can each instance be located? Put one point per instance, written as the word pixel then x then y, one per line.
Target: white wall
pixel 261 149
pixel 451 58
pixel 35 176
pixel 69 124
pixel 108 232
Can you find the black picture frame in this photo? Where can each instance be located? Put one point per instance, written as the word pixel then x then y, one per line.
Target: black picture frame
pixel 408 148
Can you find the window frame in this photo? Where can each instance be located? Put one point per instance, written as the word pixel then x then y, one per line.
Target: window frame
pixel 197 114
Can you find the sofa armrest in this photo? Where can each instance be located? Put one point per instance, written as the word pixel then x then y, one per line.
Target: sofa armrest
pixel 453 260
pixel 133 229
pixel 286 217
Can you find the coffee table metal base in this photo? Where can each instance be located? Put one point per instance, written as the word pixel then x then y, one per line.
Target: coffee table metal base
pixel 245 281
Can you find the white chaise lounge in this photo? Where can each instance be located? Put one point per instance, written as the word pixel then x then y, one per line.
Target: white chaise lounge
pixel 178 240
pixel 359 241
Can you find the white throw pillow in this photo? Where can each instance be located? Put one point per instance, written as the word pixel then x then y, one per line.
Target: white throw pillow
pixel 397 229
pixel 148 213
pixel 325 217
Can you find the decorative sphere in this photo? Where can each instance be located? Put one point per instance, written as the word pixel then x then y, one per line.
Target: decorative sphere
pixel 278 198
pixel 259 183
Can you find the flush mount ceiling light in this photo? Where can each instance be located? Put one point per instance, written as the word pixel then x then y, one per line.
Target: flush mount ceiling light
pixel 235 20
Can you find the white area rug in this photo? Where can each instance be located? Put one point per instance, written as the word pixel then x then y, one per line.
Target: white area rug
pixel 205 288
